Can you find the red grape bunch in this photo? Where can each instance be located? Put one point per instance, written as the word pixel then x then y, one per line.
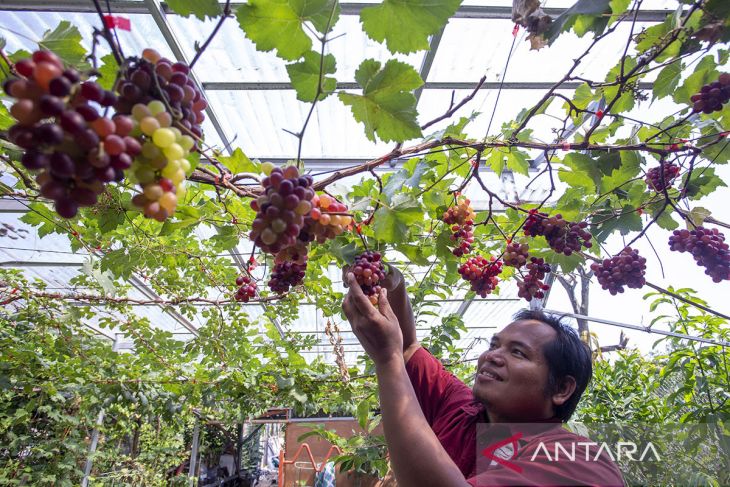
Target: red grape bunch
pixel 532 286
pixel 369 272
pixel 657 182
pixel 481 273
pixel 712 96
pixel 708 248
pixel 286 275
pixel 325 221
pixel 461 218
pixel 63 134
pixel 515 255
pixel 281 210
pixel 627 268
pixel 562 236
pixel 297 253
pixel 156 78
pixel 246 288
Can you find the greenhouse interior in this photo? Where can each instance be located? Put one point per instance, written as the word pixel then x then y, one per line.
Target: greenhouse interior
pixel 318 243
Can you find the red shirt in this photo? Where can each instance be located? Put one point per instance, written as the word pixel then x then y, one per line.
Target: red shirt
pixel 452 412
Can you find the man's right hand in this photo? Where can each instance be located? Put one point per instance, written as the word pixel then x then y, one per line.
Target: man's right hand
pixel 393 277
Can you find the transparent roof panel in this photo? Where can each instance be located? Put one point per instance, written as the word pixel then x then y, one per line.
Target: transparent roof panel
pixel 22 30
pixel 232 57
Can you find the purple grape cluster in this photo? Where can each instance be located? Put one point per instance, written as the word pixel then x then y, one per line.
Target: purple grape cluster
pixel 562 236
pixel 708 247
pixel 627 268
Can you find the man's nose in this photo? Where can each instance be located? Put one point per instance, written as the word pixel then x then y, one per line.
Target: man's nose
pixel 493 356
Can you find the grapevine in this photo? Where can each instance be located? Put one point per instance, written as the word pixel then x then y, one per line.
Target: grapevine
pixel 708 248
pixel 280 211
pixel 562 236
pixel 369 272
pixel 532 286
pixel 286 275
pixel 712 96
pixel 515 255
pixel 461 220
pixel 481 273
pixel 246 288
pixel 627 268
pixel 658 182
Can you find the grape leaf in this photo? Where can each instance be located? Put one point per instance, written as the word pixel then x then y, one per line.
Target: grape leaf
pixel 304 76
pixel 239 162
pixel 704 73
pixel 392 224
pixel 667 80
pixel 405 25
pixel 278 24
pixel 518 161
pixel 568 18
pixel 65 41
pixel 702 184
pixel 386 107
pixel 107 71
pixel 6 120
pixel 200 8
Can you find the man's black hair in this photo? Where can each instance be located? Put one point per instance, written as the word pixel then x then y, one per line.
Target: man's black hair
pixel 565 355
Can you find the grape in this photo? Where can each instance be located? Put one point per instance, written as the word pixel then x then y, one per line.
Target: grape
pixel 280 224
pixel 320 224
pixel 627 268
pixel 91 91
pixel 34 160
pixel 515 255
pixel 712 96
pixel 246 288
pixel 658 182
pixel 708 248
pixel 59 86
pixel 163 137
pixel 44 73
pixel 369 272
pixel 286 275
pixel 481 273
pixel 531 285
pixel 66 207
pixel 562 236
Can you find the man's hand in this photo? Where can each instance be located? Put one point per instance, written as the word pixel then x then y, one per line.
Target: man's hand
pixel 377 329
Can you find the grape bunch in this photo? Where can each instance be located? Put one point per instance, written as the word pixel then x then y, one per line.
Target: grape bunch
pixel 562 236
pixel 515 255
pixel 708 248
pixel 281 210
pixel 161 166
pixel 461 219
pixel 627 268
pixel 657 182
pixel 322 223
pixel 63 134
pixel 712 96
pixel 531 285
pixel 369 272
pixel 156 78
pixel 246 288
pixel 481 273
pixel 286 275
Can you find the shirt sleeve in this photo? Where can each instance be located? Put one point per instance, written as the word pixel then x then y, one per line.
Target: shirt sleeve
pixel 438 391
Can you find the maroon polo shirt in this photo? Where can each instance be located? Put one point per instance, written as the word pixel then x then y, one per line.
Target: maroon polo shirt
pixel 452 412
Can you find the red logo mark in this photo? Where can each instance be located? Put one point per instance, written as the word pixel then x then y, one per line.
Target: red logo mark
pixel 489 452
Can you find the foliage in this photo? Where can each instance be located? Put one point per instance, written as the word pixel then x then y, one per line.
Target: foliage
pixel 57 375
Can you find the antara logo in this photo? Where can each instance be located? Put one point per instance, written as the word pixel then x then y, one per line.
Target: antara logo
pixel 501 452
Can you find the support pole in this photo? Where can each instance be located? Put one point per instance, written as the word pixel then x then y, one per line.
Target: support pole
pixel 194 453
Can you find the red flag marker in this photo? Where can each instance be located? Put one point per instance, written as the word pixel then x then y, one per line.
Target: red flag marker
pixel 515 30
pixel 117 22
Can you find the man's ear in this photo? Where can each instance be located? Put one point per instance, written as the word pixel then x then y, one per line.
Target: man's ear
pixel 565 389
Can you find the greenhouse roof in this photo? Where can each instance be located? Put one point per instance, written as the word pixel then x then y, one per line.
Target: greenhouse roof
pixel 242 84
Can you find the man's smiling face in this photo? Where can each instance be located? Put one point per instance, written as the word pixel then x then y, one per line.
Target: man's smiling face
pixel 512 375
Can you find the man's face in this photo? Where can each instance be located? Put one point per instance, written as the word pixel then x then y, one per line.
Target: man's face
pixel 512 375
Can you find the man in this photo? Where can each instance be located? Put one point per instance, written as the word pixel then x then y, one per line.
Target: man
pixel 534 371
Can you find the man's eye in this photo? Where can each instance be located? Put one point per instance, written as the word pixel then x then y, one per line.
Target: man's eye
pixel 492 346
pixel 518 352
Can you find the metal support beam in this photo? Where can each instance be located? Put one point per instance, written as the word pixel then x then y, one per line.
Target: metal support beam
pixel 435 85
pixel 151 294
pixel 194 454
pixel 347 8
pixel 428 60
pixel 158 14
pixel 646 329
